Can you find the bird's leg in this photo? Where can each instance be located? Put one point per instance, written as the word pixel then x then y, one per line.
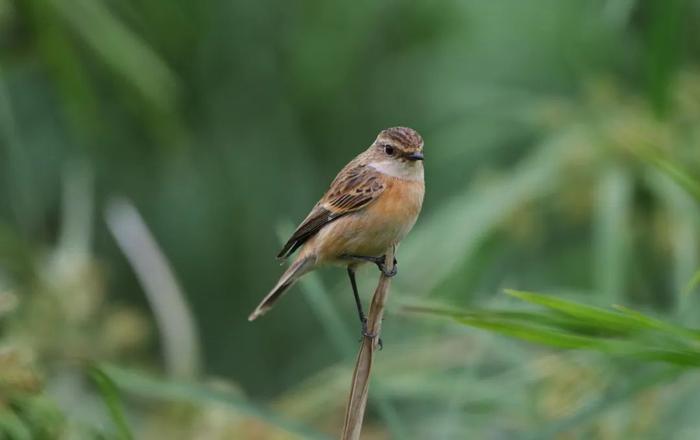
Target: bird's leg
pixel 358 303
pixel 379 261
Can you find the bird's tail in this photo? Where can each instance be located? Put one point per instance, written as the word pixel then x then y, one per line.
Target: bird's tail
pixel 301 265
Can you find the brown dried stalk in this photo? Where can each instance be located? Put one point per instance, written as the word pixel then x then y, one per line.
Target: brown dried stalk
pixel 359 389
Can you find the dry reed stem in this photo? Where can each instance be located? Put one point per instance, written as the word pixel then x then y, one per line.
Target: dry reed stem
pixel 359 390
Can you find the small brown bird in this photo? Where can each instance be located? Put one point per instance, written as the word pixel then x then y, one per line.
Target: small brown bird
pixel 370 206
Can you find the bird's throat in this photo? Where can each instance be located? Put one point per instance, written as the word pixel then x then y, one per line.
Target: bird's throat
pixel 402 170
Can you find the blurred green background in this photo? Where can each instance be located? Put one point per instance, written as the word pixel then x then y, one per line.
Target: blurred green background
pixel 157 150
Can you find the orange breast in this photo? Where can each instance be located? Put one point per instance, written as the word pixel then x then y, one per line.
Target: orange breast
pixel 371 231
pixel 401 202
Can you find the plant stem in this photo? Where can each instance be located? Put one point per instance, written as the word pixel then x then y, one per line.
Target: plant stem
pixel 359 390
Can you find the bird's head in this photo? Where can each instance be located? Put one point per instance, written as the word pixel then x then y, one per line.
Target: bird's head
pixel 397 152
pixel 399 143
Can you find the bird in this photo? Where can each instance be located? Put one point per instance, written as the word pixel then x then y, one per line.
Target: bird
pixel 371 205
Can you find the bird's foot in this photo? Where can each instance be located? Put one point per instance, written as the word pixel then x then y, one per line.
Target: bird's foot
pixel 367 334
pixel 382 267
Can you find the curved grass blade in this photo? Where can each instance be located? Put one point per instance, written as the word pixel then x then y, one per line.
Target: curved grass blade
pixel 177 326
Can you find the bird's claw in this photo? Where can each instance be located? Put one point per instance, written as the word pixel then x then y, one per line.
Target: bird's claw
pixel 379 261
pixel 388 274
pixel 367 334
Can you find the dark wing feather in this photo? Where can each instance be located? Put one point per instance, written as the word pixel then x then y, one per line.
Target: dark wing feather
pixel 355 187
pixel 317 219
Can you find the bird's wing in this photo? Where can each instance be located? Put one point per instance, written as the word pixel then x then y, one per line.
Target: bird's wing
pixel 355 187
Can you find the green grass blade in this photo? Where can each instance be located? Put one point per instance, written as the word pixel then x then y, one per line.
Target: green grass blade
pixel 682 358
pixel 532 333
pixel 110 396
pixel 524 317
pixel 569 326
pixel 595 315
pixel 522 325
pixel 658 324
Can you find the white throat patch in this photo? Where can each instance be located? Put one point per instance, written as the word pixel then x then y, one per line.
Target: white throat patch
pixel 401 170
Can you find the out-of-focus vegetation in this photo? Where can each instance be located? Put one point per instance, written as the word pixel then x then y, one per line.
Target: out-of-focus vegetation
pixel 563 154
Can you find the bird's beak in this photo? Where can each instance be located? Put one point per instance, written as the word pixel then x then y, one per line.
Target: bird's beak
pixel 418 155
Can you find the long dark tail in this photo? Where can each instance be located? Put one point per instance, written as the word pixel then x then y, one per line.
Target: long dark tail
pixel 301 266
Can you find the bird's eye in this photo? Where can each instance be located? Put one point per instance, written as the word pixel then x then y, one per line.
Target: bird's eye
pixel 388 149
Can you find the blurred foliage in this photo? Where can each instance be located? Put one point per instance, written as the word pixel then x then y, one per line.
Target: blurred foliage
pixel 567 324
pixel 562 145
